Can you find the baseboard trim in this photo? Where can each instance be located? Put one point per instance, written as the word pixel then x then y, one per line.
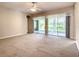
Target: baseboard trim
pixel 12 36
pixel 77 45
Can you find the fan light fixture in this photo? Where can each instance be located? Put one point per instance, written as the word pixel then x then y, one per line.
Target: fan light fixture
pixel 34 7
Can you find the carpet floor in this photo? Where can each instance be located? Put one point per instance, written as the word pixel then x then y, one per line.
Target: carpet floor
pixel 38 45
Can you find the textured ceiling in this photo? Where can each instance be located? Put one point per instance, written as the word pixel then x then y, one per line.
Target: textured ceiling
pixel 44 6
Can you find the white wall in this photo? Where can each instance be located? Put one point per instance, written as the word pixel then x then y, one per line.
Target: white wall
pixel 12 23
pixel 76 21
pixel 76 12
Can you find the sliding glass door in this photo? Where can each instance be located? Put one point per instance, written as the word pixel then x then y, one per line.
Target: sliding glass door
pixel 52 25
pixel 61 25
pixel 39 24
pixel 57 25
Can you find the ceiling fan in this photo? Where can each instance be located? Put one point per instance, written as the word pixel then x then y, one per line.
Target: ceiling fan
pixel 34 7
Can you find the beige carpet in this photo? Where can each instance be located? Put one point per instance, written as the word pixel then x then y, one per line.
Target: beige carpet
pixel 38 45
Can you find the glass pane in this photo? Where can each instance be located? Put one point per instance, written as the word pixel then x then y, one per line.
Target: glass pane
pixel 39 24
pixel 61 27
pixel 52 25
pixel 36 25
pixel 57 25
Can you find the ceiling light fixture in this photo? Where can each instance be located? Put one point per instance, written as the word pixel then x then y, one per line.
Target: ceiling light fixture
pixel 34 7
